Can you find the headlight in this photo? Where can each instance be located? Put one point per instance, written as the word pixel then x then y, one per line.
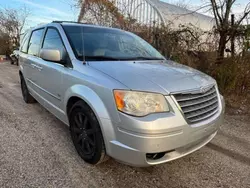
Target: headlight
pixel 140 103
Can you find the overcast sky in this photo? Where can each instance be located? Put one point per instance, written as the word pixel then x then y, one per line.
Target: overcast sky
pixel 44 11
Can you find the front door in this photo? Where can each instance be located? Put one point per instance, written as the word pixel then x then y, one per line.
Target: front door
pixel 50 74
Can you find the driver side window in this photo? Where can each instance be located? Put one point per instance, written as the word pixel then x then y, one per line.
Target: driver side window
pixel 53 40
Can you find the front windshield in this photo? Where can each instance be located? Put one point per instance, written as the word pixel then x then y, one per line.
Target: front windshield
pixel 94 43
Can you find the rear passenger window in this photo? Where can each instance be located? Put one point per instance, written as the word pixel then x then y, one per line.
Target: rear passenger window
pixel 53 40
pixel 35 42
pixel 24 43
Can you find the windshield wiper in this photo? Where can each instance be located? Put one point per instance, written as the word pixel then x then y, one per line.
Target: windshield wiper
pixel 145 58
pixel 109 58
pixel 99 58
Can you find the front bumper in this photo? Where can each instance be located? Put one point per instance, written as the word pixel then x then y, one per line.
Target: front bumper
pixel 167 133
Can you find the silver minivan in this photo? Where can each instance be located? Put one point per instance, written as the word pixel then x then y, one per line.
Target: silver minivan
pixel 119 96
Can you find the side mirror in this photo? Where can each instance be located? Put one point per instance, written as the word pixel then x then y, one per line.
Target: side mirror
pixel 51 55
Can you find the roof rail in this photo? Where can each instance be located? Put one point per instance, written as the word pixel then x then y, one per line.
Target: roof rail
pixel 69 22
pixel 59 21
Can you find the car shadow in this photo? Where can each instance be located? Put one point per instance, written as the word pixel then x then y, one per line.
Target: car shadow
pixel 230 153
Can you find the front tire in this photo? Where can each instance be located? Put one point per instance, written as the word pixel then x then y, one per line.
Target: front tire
pixel 25 92
pixel 86 134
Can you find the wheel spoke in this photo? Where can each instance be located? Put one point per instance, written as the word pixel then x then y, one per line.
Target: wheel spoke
pixel 77 122
pixel 79 138
pixel 83 141
pixel 80 118
pixel 77 130
pixel 91 142
pixel 87 146
pixel 90 131
pixel 85 122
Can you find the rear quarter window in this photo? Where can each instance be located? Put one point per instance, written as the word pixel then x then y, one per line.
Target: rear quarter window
pixel 24 43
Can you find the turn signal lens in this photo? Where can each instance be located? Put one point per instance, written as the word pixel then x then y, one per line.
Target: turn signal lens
pixel 119 96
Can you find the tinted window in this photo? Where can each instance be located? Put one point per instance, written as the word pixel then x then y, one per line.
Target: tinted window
pixel 35 42
pixel 95 42
pixel 53 40
pixel 24 43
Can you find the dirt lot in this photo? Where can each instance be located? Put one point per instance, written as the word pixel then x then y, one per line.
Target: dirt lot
pixel 36 151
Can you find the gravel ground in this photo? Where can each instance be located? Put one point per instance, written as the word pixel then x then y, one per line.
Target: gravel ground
pixel 36 151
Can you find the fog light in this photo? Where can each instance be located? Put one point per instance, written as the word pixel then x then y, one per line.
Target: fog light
pixel 155 156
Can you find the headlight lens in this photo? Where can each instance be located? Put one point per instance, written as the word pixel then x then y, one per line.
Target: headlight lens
pixel 140 103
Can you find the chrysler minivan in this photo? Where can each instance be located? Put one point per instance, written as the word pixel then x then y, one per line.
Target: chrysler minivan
pixel 119 96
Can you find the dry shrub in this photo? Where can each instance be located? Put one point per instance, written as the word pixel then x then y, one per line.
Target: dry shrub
pixel 233 76
pixel 184 46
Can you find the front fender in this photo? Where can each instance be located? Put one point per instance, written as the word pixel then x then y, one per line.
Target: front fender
pixel 90 97
pixel 98 107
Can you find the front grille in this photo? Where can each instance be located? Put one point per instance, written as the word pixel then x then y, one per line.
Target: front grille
pixel 199 106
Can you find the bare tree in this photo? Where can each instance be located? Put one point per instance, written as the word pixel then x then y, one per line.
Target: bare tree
pixel 12 22
pixel 107 13
pixel 221 11
pixel 185 4
pixel 102 12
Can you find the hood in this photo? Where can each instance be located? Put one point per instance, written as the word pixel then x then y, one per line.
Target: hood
pixel 154 76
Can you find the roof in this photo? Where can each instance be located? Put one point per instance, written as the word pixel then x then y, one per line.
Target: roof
pixel 90 25
pixel 69 23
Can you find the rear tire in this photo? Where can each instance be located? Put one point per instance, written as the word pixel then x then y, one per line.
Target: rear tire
pixel 25 92
pixel 86 134
pixel 16 61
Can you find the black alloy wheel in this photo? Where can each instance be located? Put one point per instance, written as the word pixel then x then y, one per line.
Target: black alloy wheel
pixel 86 133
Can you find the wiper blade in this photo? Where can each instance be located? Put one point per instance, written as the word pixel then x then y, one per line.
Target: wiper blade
pixel 109 58
pixel 146 58
pixel 100 58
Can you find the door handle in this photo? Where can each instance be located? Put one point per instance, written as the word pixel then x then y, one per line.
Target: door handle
pixel 39 68
pixel 36 66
